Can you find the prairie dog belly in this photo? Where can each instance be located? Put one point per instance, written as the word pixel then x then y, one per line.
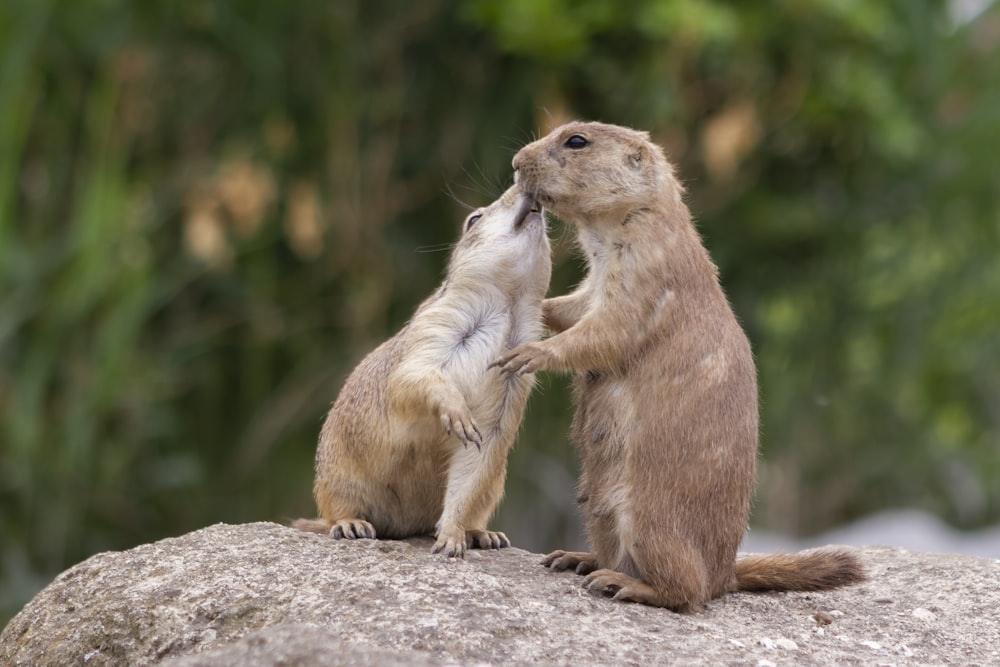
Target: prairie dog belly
pixel 478 342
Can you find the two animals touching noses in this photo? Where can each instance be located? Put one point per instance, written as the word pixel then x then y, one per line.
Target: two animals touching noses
pixel 666 421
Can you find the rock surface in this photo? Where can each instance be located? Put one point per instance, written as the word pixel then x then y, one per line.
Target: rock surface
pixel 263 594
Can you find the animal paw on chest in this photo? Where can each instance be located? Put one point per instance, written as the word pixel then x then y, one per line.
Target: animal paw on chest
pixel 526 358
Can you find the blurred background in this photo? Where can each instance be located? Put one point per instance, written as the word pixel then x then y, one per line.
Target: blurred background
pixel 210 210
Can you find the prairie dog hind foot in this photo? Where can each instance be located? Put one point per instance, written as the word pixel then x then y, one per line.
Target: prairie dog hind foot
pixel 352 529
pixel 581 562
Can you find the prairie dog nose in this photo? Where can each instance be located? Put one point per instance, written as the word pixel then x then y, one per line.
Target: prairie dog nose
pixel 516 162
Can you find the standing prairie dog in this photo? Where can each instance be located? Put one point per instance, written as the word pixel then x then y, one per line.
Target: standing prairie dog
pixel 394 456
pixel 666 388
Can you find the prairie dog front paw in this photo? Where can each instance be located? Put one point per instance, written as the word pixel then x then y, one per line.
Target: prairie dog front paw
pixel 526 358
pixel 450 542
pixel 458 421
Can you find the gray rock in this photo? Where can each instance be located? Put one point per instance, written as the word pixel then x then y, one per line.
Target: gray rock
pixel 263 594
pixel 304 646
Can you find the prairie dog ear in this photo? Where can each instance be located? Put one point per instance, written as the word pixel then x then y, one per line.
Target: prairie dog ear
pixel 637 155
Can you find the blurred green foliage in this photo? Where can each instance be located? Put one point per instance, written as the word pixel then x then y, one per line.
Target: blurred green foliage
pixel 211 210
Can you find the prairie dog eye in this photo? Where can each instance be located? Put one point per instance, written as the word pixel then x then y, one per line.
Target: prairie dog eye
pixel 576 142
pixel 473 219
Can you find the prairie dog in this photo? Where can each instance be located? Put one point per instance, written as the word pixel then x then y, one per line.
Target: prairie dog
pixel 666 389
pixel 417 441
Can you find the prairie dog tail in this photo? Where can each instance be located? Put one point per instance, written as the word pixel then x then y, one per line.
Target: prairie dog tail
pixel 812 570
pixel 312 526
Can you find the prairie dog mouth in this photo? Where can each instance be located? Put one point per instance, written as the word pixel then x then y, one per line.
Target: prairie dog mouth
pixel 525 210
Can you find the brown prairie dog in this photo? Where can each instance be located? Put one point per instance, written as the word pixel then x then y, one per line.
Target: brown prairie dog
pixel 417 441
pixel 666 388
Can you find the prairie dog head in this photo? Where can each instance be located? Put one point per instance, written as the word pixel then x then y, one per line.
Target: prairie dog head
pixel 590 171
pixel 504 245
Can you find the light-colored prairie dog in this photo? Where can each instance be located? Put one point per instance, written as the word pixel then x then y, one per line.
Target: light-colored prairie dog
pixel 417 441
pixel 666 390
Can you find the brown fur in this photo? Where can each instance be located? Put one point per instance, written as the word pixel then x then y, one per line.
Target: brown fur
pixel 417 441
pixel 666 389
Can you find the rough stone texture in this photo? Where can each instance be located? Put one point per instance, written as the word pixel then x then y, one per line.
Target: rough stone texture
pixel 266 594
pixel 301 645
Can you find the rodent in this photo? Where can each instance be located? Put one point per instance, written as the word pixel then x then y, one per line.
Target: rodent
pixel 417 441
pixel 665 386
